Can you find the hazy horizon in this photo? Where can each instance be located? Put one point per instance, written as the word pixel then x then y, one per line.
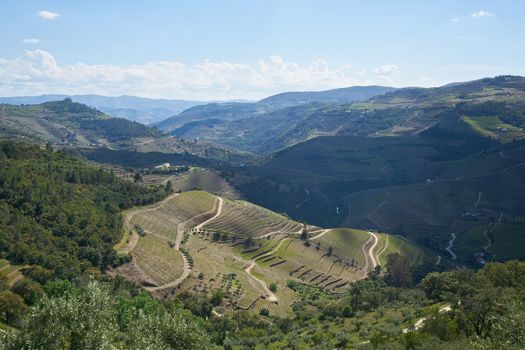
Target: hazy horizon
pixel 251 49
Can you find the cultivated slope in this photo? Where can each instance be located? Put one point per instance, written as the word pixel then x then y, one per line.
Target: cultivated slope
pixel 200 242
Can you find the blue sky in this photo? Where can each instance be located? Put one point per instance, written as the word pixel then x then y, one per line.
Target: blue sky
pixel 251 49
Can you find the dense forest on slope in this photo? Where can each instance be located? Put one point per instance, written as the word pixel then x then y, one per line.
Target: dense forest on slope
pixel 67 121
pixel 60 213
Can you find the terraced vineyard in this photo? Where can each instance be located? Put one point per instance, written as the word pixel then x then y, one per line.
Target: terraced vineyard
pixel 157 260
pixel 178 209
pixel 244 219
pixel 206 180
pixel 244 249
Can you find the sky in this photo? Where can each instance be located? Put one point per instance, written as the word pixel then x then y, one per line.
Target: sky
pixel 249 49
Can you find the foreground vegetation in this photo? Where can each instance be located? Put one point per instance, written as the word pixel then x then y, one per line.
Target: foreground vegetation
pixel 487 311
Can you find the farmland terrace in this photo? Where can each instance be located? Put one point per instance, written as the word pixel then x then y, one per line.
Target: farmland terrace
pixel 199 242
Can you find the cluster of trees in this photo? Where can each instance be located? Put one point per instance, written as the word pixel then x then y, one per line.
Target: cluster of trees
pixel 116 129
pixel 94 315
pixel 487 311
pixel 59 213
pixel 89 118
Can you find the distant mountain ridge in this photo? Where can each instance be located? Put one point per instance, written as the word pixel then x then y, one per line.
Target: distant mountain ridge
pixel 235 111
pixel 342 95
pixel 140 109
pixel 492 107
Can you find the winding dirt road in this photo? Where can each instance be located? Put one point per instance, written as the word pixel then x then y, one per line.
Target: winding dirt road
pixel 450 245
pixel 378 255
pixel 219 212
pixel 371 250
pixel 370 259
pixel 269 295
pixel 325 231
pixel 421 322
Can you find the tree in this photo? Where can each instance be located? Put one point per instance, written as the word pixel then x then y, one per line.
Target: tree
pixel 398 270
pixel 81 320
pixel 137 177
pixel 169 187
pixel 508 331
pixel 264 312
pixel 248 242
pixel 29 290
pixel 216 298
pixel 440 286
pixel 478 307
pixel 329 253
pixel 90 318
pixel 273 287
pixel 12 308
pixel 3 281
pixel 168 331
pixel 304 235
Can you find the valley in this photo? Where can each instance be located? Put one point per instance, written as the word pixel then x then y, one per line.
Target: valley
pixel 343 218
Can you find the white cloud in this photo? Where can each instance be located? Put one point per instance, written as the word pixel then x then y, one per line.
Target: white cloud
pixel 386 70
pixel 37 72
pixel 455 19
pixel 31 41
pixel 48 14
pixel 481 13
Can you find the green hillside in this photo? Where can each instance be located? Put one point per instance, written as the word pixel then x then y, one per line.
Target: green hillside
pixel 67 122
pixel 393 113
pixel 423 186
pixel 184 123
pixel 59 213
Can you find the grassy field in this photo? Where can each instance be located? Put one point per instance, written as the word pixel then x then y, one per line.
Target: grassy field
pixel 416 254
pixel 492 126
pixel 346 243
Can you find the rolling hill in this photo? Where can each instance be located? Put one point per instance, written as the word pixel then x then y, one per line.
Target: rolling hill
pixel 68 122
pixel 425 186
pixel 493 106
pixel 140 109
pixel 72 125
pixel 342 95
pixel 218 113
